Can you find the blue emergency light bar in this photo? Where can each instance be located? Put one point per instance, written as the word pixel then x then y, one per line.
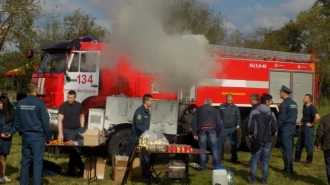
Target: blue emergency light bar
pixel 86 39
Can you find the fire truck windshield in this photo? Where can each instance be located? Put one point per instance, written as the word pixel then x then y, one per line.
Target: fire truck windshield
pixel 53 63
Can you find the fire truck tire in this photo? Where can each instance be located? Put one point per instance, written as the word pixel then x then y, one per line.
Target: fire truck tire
pixel 227 145
pixel 245 141
pixel 195 158
pixel 119 142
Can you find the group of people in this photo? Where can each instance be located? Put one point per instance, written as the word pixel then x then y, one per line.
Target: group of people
pixel 216 125
pixel 31 121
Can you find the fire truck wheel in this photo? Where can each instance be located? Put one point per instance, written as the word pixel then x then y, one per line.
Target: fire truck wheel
pixel 195 158
pixel 245 142
pixel 119 142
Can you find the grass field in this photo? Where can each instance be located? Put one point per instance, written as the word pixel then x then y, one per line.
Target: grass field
pixel 304 174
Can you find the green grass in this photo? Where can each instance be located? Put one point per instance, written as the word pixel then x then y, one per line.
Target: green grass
pixel 304 174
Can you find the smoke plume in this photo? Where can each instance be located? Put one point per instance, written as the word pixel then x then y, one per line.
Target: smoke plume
pixel 138 32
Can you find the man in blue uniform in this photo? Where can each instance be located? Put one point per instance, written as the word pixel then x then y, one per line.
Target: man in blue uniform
pixel 309 119
pixel 71 122
pixel 141 123
pixel 231 119
pixel 287 118
pixel 32 123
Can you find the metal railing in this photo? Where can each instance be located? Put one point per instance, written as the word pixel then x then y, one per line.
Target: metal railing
pixel 267 55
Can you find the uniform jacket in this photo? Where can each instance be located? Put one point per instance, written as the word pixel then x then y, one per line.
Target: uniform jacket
pixel 288 112
pixel 5 143
pixel 206 115
pixel 263 123
pixel 253 111
pixel 141 121
pixel 31 118
pixel 323 133
pixel 230 115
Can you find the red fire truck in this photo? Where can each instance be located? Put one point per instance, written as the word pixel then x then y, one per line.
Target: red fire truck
pixel 84 65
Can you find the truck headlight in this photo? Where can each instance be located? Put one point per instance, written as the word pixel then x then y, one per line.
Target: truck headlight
pixel 53 116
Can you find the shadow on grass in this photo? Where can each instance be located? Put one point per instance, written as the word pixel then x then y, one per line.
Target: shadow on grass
pixel 305 178
pixel 44 181
pixel 244 174
pixel 11 170
pixel 165 180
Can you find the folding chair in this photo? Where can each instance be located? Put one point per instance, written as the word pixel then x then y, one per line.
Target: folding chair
pixel 155 171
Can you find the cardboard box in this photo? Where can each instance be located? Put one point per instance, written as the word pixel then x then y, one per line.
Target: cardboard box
pixel 118 174
pixel 119 161
pixel 136 168
pixel 90 168
pixel 91 137
pixel 119 165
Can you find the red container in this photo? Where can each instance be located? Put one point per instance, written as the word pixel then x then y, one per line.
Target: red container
pixel 178 149
pixel 187 149
pixel 173 148
pixel 169 148
pixel 183 148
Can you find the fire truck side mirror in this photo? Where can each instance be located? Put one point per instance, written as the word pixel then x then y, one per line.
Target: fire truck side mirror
pixel 29 53
pixel 68 79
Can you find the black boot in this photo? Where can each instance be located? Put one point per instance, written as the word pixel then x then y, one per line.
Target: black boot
pixel 309 158
pixel 234 158
pixel 296 158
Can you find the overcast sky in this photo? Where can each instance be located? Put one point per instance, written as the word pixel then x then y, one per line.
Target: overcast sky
pixel 242 14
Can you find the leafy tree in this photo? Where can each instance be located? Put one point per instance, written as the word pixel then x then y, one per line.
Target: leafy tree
pixel 79 24
pixel 16 20
pixel 196 17
pixel 235 38
pixel 285 39
pixel 315 25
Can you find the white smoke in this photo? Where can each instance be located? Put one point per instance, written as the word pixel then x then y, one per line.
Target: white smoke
pixel 139 34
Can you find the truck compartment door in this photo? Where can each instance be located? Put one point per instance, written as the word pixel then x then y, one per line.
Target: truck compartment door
pixel 164 116
pixel 276 80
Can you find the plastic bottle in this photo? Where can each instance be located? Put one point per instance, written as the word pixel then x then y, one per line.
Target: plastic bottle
pixel 219 175
pixel 230 177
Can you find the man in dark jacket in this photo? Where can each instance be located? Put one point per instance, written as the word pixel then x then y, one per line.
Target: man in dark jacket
pixel 32 122
pixel 206 126
pixel 141 123
pixel 188 119
pixel 262 127
pixel 231 119
pixel 287 118
pixel 323 138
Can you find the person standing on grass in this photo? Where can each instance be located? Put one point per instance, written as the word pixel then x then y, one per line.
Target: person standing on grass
pixel 71 122
pixel 7 130
pixel 309 119
pixel 231 119
pixel 206 126
pixel 141 123
pixel 263 127
pixel 188 119
pixel 323 138
pixel 32 122
pixel 287 118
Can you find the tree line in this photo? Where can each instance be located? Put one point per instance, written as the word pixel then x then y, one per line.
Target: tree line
pixel 22 26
